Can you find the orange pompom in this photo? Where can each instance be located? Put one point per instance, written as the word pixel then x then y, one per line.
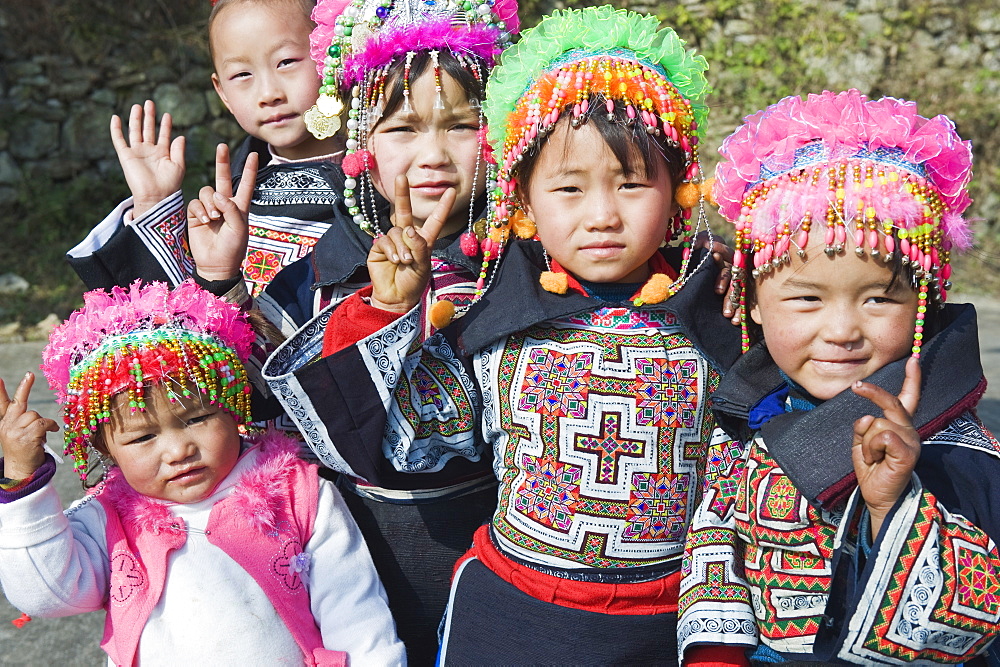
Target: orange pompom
pixel 687 195
pixel 557 283
pixel 656 289
pixel 442 313
pixel 499 234
pixel 522 225
pixel 708 191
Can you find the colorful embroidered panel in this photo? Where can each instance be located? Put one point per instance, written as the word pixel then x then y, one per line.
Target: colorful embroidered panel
pixel 275 243
pixel 600 427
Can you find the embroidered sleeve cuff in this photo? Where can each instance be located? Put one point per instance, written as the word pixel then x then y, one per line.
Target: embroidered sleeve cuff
pixel 716 656
pixel 13 489
pixel 354 320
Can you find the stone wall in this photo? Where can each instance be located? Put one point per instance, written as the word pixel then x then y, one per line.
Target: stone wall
pixel 67 66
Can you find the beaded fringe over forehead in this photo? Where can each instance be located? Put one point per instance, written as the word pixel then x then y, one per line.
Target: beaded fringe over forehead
pixel 124 341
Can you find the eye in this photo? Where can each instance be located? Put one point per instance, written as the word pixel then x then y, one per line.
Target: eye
pixel 633 185
pixel 568 189
pixel 141 439
pixel 239 75
pixel 474 127
pixel 200 419
pixel 288 61
pixel 808 298
pixel 879 299
pixel 401 128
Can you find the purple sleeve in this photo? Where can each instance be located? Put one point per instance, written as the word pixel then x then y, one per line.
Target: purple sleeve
pixel 14 489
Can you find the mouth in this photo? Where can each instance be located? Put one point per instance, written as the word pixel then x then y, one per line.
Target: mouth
pixel 603 249
pixel 837 366
pixel 432 188
pixel 280 119
pixel 188 475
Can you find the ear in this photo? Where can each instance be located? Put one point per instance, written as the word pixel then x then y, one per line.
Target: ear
pixel 522 197
pixel 755 313
pixel 218 90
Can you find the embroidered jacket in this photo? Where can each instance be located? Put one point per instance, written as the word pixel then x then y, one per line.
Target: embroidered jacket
pixel 292 206
pixel 347 405
pixel 779 553
pixel 597 415
pixel 149 565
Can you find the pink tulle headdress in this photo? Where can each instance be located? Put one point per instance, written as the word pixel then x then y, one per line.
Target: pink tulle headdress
pixel 126 340
pixel 845 166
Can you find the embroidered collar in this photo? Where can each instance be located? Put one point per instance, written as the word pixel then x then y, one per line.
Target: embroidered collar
pixel 255 498
pixel 517 301
pixel 952 383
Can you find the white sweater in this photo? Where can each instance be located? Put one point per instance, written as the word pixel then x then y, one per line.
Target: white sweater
pixel 55 564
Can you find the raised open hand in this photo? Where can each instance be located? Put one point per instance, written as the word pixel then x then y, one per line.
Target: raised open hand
pixel 153 164
pixel 399 262
pixel 218 229
pixel 886 449
pixel 22 431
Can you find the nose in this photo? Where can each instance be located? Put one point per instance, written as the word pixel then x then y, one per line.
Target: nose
pixel 605 214
pixel 433 151
pixel 269 90
pixel 844 327
pixel 178 447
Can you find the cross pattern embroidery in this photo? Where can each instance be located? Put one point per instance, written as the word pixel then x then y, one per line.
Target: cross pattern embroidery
pixel 609 447
pixel 665 392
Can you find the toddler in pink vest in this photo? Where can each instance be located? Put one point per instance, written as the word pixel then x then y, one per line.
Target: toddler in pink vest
pixel 202 543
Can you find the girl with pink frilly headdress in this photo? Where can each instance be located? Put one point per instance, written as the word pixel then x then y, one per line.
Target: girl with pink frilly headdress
pixel 859 523
pixel 407 78
pixel 200 542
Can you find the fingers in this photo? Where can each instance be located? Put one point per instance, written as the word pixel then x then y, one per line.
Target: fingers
pixel 135 125
pixel 890 405
pixel 13 408
pixel 177 151
pixel 205 208
pixel 435 222
pixel 117 138
pixel 166 126
pixel 149 122
pixel 244 193
pixel 24 388
pixel 909 395
pixel 402 210
pixel 223 175
pixel 398 245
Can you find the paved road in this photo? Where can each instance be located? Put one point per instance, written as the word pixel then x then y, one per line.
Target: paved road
pixel 74 641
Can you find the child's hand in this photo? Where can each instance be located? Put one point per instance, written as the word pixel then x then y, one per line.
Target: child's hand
pixel 399 263
pixel 886 450
pixel 722 255
pixel 218 229
pixel 22 431
pixel 153 165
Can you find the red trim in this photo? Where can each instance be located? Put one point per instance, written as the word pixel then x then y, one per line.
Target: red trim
pixel 657 264
pixel 716 656
pixel 970 401
pixel 354 320
pixel 647 598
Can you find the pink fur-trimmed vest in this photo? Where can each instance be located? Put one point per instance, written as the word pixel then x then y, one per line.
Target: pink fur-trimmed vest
pixel 263 525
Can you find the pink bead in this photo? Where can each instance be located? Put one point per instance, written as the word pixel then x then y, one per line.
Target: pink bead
pixel 803 240
pixel 469 244
pixel 585 105
pixel 904 246
pixel 946 271
pixel 830 235
pixel 480 283
pixel 873 239
pixel 859 238
pixel 890 243
pixel 841 234
pixel 739 261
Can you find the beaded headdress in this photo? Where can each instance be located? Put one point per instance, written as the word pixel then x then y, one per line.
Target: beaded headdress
pixel 126 340
pixel 356 45
pixel 595 60
pixel 876 170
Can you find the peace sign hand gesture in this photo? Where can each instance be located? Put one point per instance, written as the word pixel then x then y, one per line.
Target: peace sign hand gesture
pixel 885 450
pixel 22 431
pixel 399 263
pixel 218 228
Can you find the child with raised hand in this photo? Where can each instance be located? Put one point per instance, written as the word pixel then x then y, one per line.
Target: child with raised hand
pixel 200 543
pixel 414 474
pixel 840 534
pixel 593 372
pixel 266 78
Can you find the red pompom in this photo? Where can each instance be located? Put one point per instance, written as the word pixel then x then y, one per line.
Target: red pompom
pixel 469 244
pixel 357 162
pixel 19 622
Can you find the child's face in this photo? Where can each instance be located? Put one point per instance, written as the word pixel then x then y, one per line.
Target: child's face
pixel 436 149
pixel 601 224
pixel 829 322
pixel 177 452
pixel 265 77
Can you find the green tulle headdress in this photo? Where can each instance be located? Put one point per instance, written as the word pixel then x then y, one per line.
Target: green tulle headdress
pixel 577 63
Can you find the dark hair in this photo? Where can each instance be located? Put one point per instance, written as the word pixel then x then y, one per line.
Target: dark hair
pixel 637 151
pixel 449 64
pixel 306 6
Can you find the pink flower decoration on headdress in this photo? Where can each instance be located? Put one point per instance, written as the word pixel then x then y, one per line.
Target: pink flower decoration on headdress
pixel 843 123
pixel 140 308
